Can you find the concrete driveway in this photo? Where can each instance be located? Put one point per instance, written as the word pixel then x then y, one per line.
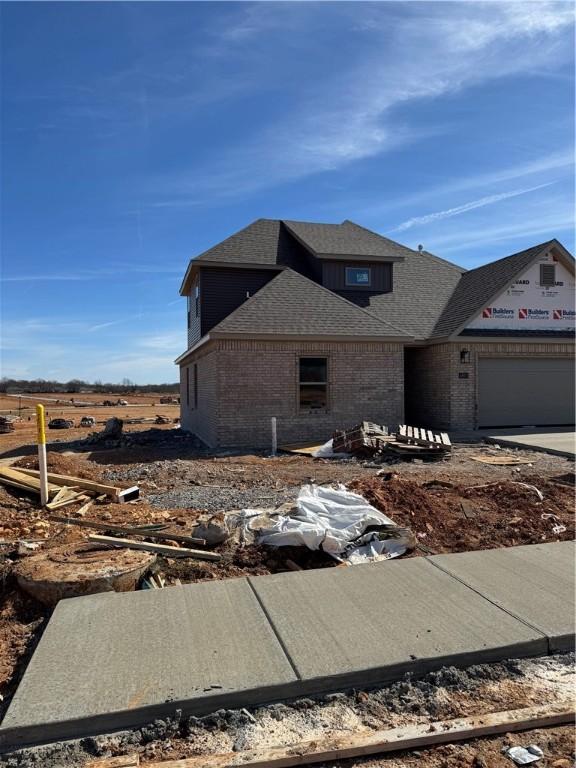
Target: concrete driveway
pixel 560 441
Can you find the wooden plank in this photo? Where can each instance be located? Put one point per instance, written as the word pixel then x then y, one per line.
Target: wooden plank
pixel 160 549
pixel 20 479
pixel 445 438
pixel 430 436
pixel 374 742
pixel 125 761
pixel 410 432
pixel 402 430
pixel 62 493
pixel 118 494
pixel 438 439
pixel 76 499
pixel 85 508
pixel 130 530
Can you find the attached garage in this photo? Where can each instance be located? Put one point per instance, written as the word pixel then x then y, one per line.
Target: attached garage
pixel 523 391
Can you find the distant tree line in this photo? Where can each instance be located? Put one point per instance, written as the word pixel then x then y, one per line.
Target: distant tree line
pixel 74 386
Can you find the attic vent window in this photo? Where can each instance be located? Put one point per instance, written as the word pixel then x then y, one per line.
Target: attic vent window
pixel 547 274
pixel 358 276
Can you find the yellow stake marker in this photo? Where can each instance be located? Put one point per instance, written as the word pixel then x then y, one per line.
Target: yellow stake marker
pixel 41 427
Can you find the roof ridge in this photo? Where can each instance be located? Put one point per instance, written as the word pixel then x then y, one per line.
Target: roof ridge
pixel 290 271
pixel 539 246
pixel 395 242
pixel 467 280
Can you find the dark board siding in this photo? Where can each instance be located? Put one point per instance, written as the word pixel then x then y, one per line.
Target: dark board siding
pixel 194 333
pixel 334 276
pixel 223 290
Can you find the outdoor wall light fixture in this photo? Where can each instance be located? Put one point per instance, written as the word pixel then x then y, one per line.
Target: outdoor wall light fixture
pixel 464 355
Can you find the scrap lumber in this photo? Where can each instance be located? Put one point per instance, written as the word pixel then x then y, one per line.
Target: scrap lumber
pixel 126 529
pixel 18 478
pixel 424 437
pixel 75 498
pixel 501 461
pixel 117 494
pixel 125 761
pixel 160 549
pixel 363 439
pixel 374 742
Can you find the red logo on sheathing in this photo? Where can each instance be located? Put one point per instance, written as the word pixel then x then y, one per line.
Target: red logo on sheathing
pixel 557 314
pixel 522 314
pixel 487 312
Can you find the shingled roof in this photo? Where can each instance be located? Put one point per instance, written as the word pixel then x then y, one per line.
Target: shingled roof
pixel 291 304
pixel 478 286
pixel 346 239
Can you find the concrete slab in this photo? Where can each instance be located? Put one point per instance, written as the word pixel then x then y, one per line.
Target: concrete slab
pixel 535 583
pixel 112 660
pixel 561 442
pixel 372 623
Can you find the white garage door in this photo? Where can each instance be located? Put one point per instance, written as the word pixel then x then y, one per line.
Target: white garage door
pixel 523 391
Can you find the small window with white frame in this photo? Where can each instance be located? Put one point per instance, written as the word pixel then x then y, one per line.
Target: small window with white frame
pixel 360 277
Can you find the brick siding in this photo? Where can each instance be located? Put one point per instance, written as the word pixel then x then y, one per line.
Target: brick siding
pixel 442 392
pixel 255 380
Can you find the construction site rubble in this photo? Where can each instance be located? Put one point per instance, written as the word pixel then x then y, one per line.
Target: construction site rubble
pixel 340 523
pixel 368 440
pixel 525 755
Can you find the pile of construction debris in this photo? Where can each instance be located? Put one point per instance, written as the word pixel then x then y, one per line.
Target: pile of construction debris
pixel 7 424
pixel 367 440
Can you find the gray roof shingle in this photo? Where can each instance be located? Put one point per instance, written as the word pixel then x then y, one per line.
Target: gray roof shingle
pixel 346 239
pixel 264 241
pixel 421 286
pixel 478 286
pixel 291 304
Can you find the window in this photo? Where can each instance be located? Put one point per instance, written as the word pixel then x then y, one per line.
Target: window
pixel 547 274
pixel 313 383
pixel 358 276
pixel 189 301
pixel 197 298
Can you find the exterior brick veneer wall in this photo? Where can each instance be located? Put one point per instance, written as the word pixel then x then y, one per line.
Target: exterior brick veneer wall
pixel 251 381
pixel 437 395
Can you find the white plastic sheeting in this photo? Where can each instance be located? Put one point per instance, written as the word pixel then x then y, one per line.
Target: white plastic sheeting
pixel 335 520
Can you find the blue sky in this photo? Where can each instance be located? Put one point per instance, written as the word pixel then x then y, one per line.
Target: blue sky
pixel 136 135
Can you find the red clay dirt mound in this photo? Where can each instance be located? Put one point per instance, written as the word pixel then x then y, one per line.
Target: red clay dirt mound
pixel 456 518
pixel 63 465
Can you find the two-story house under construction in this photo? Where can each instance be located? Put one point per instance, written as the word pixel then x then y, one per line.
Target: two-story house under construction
pixel 326 325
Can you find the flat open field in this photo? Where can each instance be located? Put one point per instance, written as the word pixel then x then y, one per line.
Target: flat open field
pixel 60 406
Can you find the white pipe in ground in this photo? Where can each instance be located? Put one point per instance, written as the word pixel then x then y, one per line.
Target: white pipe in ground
pixel 42 466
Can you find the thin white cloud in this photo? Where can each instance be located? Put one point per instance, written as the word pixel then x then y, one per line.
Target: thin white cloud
pixel 418 221
pixel 561 162
pixel 419 52
pixel 527 228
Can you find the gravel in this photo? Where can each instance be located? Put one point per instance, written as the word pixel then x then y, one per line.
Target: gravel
pixel 214 499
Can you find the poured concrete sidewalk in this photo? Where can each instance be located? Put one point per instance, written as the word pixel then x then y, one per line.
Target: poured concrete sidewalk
pixel 115 660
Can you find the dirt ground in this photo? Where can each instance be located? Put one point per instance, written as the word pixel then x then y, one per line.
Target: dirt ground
pixel 454 505
pixel 441 695
pixel 59 406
